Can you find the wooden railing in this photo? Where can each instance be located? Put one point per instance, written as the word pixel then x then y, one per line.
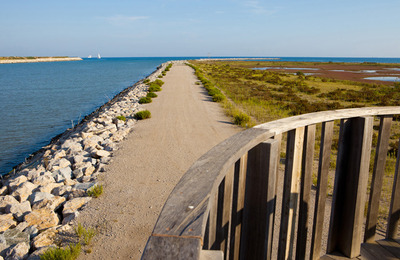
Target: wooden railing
pixel 226 205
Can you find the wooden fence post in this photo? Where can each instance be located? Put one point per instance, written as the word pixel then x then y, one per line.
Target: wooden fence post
pixel 352 169
pixel 377 178
pixel 394 212
pixel 306 182
pixel 259 207
pixel 291 191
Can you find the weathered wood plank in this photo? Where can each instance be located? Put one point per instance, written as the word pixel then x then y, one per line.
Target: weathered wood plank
pixel 159 248
pixel 322 185
pixel 350 188
pixel 259 204
pixel 373 251
pixel 291 192
pixel 225 212
pixel 290 123
pixel 212 222
pixel 305 190
pixel 237 206
pixel 391 246
pixel 211 255
pixel 377 178
pixel 394 212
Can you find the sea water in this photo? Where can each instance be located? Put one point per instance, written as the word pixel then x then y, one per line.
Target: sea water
pixel 41 100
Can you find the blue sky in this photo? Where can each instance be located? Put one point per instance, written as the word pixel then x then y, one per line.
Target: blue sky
pixel 132 28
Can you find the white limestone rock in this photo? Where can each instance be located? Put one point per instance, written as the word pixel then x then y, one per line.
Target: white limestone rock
pixel 60 191
pixel 48 188
pixel 51 204
pixel 42 218
pixel 18 252
pixel 7 221
pixel 24 190
pixel 15 236
pixel 39 196
pixel 6 200
pixel 15 182
pixel 73 205
pixel 19 210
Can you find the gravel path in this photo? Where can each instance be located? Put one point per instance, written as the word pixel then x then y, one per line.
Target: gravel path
pixel 184 125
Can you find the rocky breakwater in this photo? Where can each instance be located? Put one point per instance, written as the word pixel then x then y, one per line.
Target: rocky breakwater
pixel 44 196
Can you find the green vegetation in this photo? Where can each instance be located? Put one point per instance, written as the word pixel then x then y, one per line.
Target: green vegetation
pixel 241 119
pixel 151 95
pixel 84 235
pixel 142 115
pixel 145 100
pixel 154 88
pixel 218 96
pixel 168 67
pixel 95 191
pixel 122 118
pixel 146 81
pixel 56 253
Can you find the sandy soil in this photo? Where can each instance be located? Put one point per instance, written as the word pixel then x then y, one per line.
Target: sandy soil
pixel 47 59
pixel 184 125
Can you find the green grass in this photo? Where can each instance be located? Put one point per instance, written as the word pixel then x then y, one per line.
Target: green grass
pixel 56 253
pixel 145 100
pixel 122 118
pixel 85 235
pixel 151 95
pixel 142 115
pixel 95 191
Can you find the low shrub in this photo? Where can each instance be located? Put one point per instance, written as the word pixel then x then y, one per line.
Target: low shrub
pixel 95 191
pixel 84 235
pixel 151 95
pixel 154 88
pixel 145 100
pixel 218 98
pixel 56 253
pixel 146 81
pixel 142 115
pixel 123 118
pixel 158 82
pixel 241 119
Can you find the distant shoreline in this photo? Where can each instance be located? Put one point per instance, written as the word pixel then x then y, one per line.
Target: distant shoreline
pixel 39 59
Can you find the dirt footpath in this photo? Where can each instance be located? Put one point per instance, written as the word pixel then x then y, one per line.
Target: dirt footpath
pixel 184 125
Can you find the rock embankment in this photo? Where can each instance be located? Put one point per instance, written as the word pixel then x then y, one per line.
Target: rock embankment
pixel 46 59
pixel 45 195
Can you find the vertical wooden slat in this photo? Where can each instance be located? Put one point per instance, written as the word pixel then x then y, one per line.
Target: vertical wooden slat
pixel 223 234
pixel 259 207
pixel 212 219
pixel 322 184
pixel 291 191
pixel 377 178
pixel 237 206
pixel 305 189
pixel 394 212
pixel 350 189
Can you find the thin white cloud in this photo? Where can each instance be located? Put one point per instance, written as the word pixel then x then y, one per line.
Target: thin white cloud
pixel 257 8
pixel 122 19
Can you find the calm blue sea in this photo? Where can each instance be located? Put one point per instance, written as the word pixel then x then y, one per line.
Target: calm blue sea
pixel 41 100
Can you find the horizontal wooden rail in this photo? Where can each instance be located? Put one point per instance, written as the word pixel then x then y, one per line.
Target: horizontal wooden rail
pixel 227 200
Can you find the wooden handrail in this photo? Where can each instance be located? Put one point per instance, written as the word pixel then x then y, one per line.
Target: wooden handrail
pixel 214 191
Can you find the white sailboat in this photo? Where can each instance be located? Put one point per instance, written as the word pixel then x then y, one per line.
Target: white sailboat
pixel 98 56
